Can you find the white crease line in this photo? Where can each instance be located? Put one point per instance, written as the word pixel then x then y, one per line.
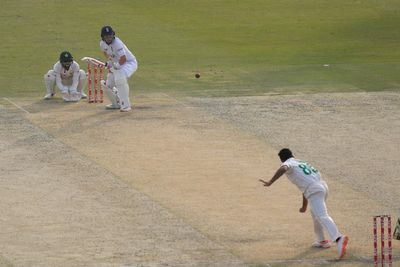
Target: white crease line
pixel 176 100
pixel 21 108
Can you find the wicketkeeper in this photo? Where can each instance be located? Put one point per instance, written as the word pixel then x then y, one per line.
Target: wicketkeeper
pixel 68 77
pixel 396 233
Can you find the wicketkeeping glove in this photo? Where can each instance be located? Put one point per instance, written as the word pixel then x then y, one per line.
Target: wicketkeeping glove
pixel 64 89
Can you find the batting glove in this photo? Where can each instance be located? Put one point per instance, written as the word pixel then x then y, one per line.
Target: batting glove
pixel 112 64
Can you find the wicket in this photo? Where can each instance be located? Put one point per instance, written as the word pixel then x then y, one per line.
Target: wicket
pixel 95 92
pixel 382 241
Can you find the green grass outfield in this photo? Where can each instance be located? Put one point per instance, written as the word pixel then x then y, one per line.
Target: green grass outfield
pixel 245 47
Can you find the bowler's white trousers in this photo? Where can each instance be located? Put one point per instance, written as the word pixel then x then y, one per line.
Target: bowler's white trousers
pixel 320 215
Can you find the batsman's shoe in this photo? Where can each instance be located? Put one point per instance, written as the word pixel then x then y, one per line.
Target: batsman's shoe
pixel 342 245
pixel 322 244
pixel 111 106
pixel 83 95
pixel 126 109
pixel 48 96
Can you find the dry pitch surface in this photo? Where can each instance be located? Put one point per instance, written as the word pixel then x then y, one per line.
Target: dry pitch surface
pixel 174 183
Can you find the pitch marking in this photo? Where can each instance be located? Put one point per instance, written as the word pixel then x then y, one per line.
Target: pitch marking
pixel 21 108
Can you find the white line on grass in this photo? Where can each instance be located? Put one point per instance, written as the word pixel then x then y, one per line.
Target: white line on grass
pixel 21 108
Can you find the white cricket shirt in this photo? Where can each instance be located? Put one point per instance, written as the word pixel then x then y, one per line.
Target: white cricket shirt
pixel 63 74
pixel 304 176
pixel 116 50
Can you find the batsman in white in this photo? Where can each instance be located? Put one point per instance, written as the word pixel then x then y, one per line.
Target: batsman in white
pixel 315 192
pixel 122 64
pixel 68 77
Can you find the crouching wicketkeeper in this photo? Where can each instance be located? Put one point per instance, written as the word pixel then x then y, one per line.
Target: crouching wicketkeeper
pixel 396 233
pixel 68 78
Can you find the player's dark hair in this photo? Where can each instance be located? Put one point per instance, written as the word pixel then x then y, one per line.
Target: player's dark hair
pixel 285 154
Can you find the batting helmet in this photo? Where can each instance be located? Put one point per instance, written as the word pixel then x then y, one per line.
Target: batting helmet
pixel 107 30
pixel 66 59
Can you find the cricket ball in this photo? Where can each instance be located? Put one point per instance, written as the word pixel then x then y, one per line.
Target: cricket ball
pixel 197 75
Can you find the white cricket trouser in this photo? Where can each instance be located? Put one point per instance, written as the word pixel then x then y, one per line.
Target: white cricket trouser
pixel 119 80
pixel 127 69
pixel 50 81
pixel 320 216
